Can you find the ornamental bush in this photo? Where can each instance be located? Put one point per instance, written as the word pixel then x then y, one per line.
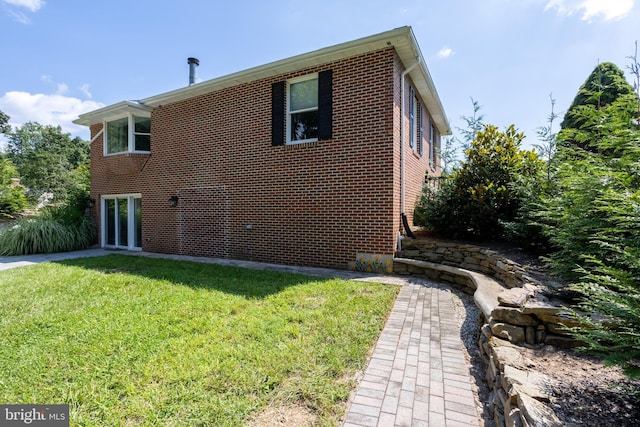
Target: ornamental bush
pixel 55 229
pixel 485 193
pixel 12 201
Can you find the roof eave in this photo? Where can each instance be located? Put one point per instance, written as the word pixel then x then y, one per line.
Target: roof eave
pixel 111 112
pixel 424 84
pixel 401 39
pixel 340 51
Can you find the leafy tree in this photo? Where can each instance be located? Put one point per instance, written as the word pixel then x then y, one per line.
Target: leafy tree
pixel 483 194
pixel 634 68
pixel 449 151
pixel 47 159
pixel 448 154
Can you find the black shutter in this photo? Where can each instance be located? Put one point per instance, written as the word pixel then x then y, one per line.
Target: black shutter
pixel 277 113
pixel 325 104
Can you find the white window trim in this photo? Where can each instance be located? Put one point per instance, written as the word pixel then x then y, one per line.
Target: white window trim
pixel 288 109
pixel 130 221
pixel 131 143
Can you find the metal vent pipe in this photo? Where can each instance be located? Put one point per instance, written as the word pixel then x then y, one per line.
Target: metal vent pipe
pixel 193 65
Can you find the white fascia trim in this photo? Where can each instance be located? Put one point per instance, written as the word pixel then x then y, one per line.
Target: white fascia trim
pixel 115 111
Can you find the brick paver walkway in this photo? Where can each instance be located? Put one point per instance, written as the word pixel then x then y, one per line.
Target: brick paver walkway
pixel 417 375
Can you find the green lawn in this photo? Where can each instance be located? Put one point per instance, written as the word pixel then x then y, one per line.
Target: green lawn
pixel 128 340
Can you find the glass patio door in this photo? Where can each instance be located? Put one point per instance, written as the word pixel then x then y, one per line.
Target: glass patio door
pixel 122 222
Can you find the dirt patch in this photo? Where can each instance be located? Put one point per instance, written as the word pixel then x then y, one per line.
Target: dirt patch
pixel 284 416
pixel 587 392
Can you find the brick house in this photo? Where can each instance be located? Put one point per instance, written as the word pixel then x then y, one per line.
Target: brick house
pixel 301 161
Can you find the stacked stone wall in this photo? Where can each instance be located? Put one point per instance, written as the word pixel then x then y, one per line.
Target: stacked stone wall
pixel 520 318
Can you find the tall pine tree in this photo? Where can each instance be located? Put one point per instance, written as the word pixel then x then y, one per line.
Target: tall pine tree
pixel 605 85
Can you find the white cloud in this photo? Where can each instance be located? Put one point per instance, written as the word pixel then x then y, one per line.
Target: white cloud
pixel 32 5
pixel 18 15
pixel 445 52
pixel 62 88
pixel 609 10
pixel 85 90
pixel 56 109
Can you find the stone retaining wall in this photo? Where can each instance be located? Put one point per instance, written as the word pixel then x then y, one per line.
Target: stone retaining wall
pixel 469 257
pixel 522 316
pixel 518 316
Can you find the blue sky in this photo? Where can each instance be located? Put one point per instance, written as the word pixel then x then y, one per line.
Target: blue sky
pixel 64 58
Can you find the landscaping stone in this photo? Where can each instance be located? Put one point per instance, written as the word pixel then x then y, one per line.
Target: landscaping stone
pixel 536 414
pixel 509 332
pixel 507 354
pixel 561 341
pixel 535 384
pixel 513 316
pixel 514 419
pixel 515 297
pixel 557 329
pixel 530 335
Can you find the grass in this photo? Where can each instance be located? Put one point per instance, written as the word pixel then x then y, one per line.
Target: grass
pixel 128 340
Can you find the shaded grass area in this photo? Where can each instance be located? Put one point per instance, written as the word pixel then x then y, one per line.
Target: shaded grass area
pixel 137 341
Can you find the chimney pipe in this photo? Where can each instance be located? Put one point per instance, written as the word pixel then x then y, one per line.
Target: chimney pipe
pixel 193 64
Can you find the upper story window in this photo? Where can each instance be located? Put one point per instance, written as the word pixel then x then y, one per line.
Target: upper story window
pixel 128 134
pixel 302 110
pixel 433 146
pixel 413 122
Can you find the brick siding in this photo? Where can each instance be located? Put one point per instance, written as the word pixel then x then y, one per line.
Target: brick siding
pixel 312 204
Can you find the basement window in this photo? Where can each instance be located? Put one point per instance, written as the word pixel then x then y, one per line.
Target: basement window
pixel 130 134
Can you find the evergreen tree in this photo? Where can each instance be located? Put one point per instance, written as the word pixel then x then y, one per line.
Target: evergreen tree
pixel 592 219
pixel 4 123
pixel 12 197
pixel 605 85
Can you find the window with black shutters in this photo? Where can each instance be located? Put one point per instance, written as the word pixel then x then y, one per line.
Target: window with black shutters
pixel 302 109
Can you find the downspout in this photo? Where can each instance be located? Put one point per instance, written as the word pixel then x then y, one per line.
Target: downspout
pixel 402 100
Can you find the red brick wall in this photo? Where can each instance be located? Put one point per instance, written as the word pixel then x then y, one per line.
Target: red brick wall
pixel 316 204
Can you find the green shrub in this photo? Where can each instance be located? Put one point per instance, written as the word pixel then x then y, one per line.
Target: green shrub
pixel 477 199
pixel 12 201
pixel 35 235
pixel 56 229
pixel 592 219
pixel 613 295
